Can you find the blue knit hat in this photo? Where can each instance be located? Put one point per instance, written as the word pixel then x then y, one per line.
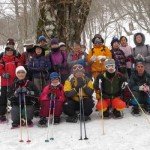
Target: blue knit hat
pixel 54 75
pixel 41 38
pixel 54 41
pixel 114 39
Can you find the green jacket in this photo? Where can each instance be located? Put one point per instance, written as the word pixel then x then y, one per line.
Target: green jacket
pixel 110 87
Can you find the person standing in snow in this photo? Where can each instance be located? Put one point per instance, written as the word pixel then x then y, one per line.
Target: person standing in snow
pixel 141 51
pixel 71 88
pixel 22 86
pixel 97 55
pixel 52 97
pixel 111 82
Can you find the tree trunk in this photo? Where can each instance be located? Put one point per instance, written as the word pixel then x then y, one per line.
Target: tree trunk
pixel 64 19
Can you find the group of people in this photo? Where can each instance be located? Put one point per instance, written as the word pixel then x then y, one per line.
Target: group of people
pixel 46 79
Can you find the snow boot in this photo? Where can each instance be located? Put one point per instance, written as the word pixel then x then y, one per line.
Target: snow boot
pixel 15 125
pixel 106 114
pixel 72 119
pixel 42 122
pixel 135 111
pixel 30 123
pixel 117 114
pixel 56 120
pixel 85 117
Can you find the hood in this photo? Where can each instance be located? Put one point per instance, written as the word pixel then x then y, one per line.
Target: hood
pixel 143 39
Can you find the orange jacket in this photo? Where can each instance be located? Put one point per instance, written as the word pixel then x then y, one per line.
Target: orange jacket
pixel 97 51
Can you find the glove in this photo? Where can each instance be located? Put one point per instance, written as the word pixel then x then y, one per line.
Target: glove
pixel 101 57
pixel 16 93
pixel 124 84
pixel 6 75
pixel 140 57
pixel 81 62
pixel 93 58
pixel 80 83
pixel 141 88
pixel 26 91
pixel 146 88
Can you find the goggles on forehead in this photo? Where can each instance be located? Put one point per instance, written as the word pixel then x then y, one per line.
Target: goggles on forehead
pixel 111 66
pixel 77 67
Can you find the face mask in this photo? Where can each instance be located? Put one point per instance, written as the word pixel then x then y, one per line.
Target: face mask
pixel 97 41
pixel 56 84
pixel 54 49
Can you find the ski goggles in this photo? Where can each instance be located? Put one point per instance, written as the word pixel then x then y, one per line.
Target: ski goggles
pixel 77 67
pixel 111 66
pixel 97 41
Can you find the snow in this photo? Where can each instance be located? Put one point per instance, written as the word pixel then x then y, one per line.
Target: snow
pixel 129 133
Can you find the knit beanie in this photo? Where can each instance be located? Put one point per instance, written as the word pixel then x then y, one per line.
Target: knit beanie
pixel 114 39
pixel 42 38
pixel 54 41
pixel 20 68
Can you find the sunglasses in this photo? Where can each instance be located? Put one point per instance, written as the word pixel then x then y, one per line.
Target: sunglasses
pixel 75 68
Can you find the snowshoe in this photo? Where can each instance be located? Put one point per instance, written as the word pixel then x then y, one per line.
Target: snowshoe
pixel 42 122
pixel 135 111
pixel 117 114
pixel 72 119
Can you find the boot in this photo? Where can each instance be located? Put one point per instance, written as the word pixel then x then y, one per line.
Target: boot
pixel 72 119
pixel 56 120
pixel 42 122
pixel 135 110
pixel 3 118
pixel 117 113
pixel 106 113
pixel 15 124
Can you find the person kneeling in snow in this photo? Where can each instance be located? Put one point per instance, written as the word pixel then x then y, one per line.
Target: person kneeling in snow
pixel 111 82
pixel 72 87
pixel 16 93
pixel 140 86
pixel 52 98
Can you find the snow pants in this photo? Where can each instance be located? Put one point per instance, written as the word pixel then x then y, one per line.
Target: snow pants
pixel 116 103
pixel 45 106
pixel 3 100
pixel 71 106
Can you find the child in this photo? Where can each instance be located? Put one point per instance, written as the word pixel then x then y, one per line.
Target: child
pixel 19 87
pixel 53 92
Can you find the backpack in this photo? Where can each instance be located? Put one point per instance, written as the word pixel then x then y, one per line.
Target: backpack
pixel 104 49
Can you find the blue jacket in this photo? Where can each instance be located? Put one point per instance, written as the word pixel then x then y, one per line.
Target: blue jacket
pixel 39 66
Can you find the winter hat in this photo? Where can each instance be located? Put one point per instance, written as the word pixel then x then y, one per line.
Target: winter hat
pixel 109 62
pixel 10 42
pixel 20 68
pixel 54 41
pixel 77 68
pixel 143 39
pixel 61 44
pixel 139 62
pixel 28 42
pixel 38 45
pixel 54 75
pixel 114 39
pixel 42 38
pixel 97 36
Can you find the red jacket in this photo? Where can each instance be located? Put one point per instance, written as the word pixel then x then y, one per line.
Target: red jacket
pixel 8 64
pixel 59 92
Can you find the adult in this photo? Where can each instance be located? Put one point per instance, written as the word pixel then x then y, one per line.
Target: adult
pixel 78 85
pixel 110 86
pixel 97 55
pixel 141 51
pixel 140 86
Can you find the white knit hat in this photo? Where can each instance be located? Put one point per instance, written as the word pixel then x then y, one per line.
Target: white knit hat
pixel 20 68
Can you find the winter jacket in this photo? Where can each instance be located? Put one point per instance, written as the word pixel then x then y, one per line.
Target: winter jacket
pixel 136 81
pixel 31 96
pixel 71 93
pixel 58 61
pixel 119 57
pixel 127 51
pixel 8 64
pixel 58 92
pixel 39 66
pixel 110 87
pixel 97 51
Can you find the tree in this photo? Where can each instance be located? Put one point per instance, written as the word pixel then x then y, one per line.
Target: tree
pixel 64 19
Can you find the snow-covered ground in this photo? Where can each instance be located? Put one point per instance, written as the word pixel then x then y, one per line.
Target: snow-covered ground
pixel 129 133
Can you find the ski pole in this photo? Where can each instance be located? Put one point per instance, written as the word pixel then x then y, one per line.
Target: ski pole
pixel 26 119
pixel 100 87
pixel 49 118
pixel 21 140
pixel 80 103
pixel 54 102
pixel 85 138
pixel 138 103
